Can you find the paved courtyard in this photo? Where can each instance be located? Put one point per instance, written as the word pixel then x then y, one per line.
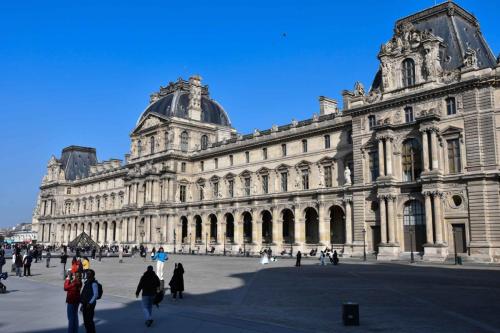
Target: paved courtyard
pixel 232 294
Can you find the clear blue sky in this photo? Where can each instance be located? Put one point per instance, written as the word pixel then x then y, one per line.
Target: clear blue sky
pixel 80 72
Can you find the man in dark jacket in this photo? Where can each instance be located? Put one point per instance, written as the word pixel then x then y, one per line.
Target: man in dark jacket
pixel 27 264
pixel 299 257
pixel 149 284
pixel 89 296
pixel 64 260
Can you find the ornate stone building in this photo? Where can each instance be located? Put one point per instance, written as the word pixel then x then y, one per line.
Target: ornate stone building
pixel 413 163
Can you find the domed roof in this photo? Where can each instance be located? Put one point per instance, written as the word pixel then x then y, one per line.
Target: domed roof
pixel 173 101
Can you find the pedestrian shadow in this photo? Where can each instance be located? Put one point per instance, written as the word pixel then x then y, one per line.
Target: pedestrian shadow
pixel 309 298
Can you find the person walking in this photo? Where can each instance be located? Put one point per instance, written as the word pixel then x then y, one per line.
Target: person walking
pixel 48 258
pixel 93 253
pixel 335 257
pixel 149 284
pixel 27 264
pixel 2 260
pixel 299 257
pixel 161 256
pixel 322 258
pixel 19 263
pixel 72 286
pixel 64 260
pixel 88 299
pixel 177 282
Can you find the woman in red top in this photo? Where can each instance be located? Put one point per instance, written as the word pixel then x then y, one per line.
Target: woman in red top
pixel 72 287
pixel 74 265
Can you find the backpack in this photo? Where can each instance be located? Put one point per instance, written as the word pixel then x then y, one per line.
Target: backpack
pixel 99 290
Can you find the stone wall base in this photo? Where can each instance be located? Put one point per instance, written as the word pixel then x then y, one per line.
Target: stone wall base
pixel 435 253
pixel 388 252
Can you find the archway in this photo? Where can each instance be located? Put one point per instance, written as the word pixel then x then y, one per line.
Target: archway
pixel 213 228
pixel 97 231
pixel 184 229
pixel 414 226
pixel 75 230
pixel 229 228
pixel 247 227
pixel 288 226
pixel 312 226
pixel 198 229
pixel 90 229
pixel 63 227
pixel 337 225
pixel 267 227
pixel 113 231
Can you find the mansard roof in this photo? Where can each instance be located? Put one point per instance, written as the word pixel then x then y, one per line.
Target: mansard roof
pixel 76 161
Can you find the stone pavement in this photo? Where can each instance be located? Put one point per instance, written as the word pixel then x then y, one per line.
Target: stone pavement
pixel 232 294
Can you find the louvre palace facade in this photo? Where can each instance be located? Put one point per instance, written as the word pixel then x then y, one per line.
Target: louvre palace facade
pixel 412 163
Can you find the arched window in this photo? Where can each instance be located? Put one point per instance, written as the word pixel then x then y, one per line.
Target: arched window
pixel 408 72
pixel 412 165
pixel 451 106
pixel 152 145
pixel 204 142
pixel 184 141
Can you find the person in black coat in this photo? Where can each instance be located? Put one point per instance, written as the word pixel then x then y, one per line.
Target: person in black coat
pixel 177 282
pixel 299 257
pixel 150 285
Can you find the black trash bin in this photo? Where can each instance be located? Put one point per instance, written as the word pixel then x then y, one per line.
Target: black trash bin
pixel 350 314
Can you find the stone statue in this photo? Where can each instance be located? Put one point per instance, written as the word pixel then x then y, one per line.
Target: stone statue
pixel 359 89
pixel 321 176
pixel 470 58
pixel 347 175
pixel 297 182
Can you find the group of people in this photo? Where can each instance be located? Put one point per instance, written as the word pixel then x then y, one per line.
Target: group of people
pixel 327 253
pixel 22 260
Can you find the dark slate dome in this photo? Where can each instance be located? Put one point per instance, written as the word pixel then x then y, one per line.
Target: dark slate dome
pixel 173 101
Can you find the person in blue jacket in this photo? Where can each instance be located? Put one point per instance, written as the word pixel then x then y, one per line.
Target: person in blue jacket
pixel 161 256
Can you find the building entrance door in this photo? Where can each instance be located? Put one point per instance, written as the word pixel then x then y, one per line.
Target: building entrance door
pixel 376 239
pixel 459 238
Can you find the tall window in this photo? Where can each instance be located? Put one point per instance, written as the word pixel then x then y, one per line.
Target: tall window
pixel 327 141
pixel 373 165
pixel 183 167
pixel 184 141
pixel 216 163
pixel 451 106
pixel 412 165
pixel 231 160
pixel 204 142
pixel 264 153
pixel 247 157
pixel 304 146
pixel 182 193
pixel 247 185
pixel 152 144
pixel 408 72
pixel 215 186
pixel 139 147
pixel 202 166
pixel 409 114
pixel 454 161
pixel 305 179
pixel 372 121
pixel 265 184
pixel 230 188
pixel 284 181
pixel 328 176
pixel 283 149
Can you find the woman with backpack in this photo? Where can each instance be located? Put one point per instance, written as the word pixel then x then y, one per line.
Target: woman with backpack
pixel 92 291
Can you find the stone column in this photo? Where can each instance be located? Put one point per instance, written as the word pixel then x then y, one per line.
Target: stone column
pixel 438 223
pixel 348 221
pixel 428 218
pixel 434 147
pixel 238 229
pixel 425 149
pixel 391 219
pixel 381 166
pixel 383 220
pixel 388 149
pixel 170 228
pixel 163 226
pixel 277 228
pixel 299 226
pixel 324 225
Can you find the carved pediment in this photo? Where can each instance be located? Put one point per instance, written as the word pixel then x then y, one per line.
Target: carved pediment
pixel 152 120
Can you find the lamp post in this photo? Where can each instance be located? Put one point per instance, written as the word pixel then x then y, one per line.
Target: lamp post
pixel 224 244
pixel 412 232
pixel 175 237
pixel 206 243
pixel 364 244
pixel 189 243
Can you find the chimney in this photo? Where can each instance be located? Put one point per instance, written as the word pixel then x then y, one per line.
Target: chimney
pixel 327 106
pixel 195 97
